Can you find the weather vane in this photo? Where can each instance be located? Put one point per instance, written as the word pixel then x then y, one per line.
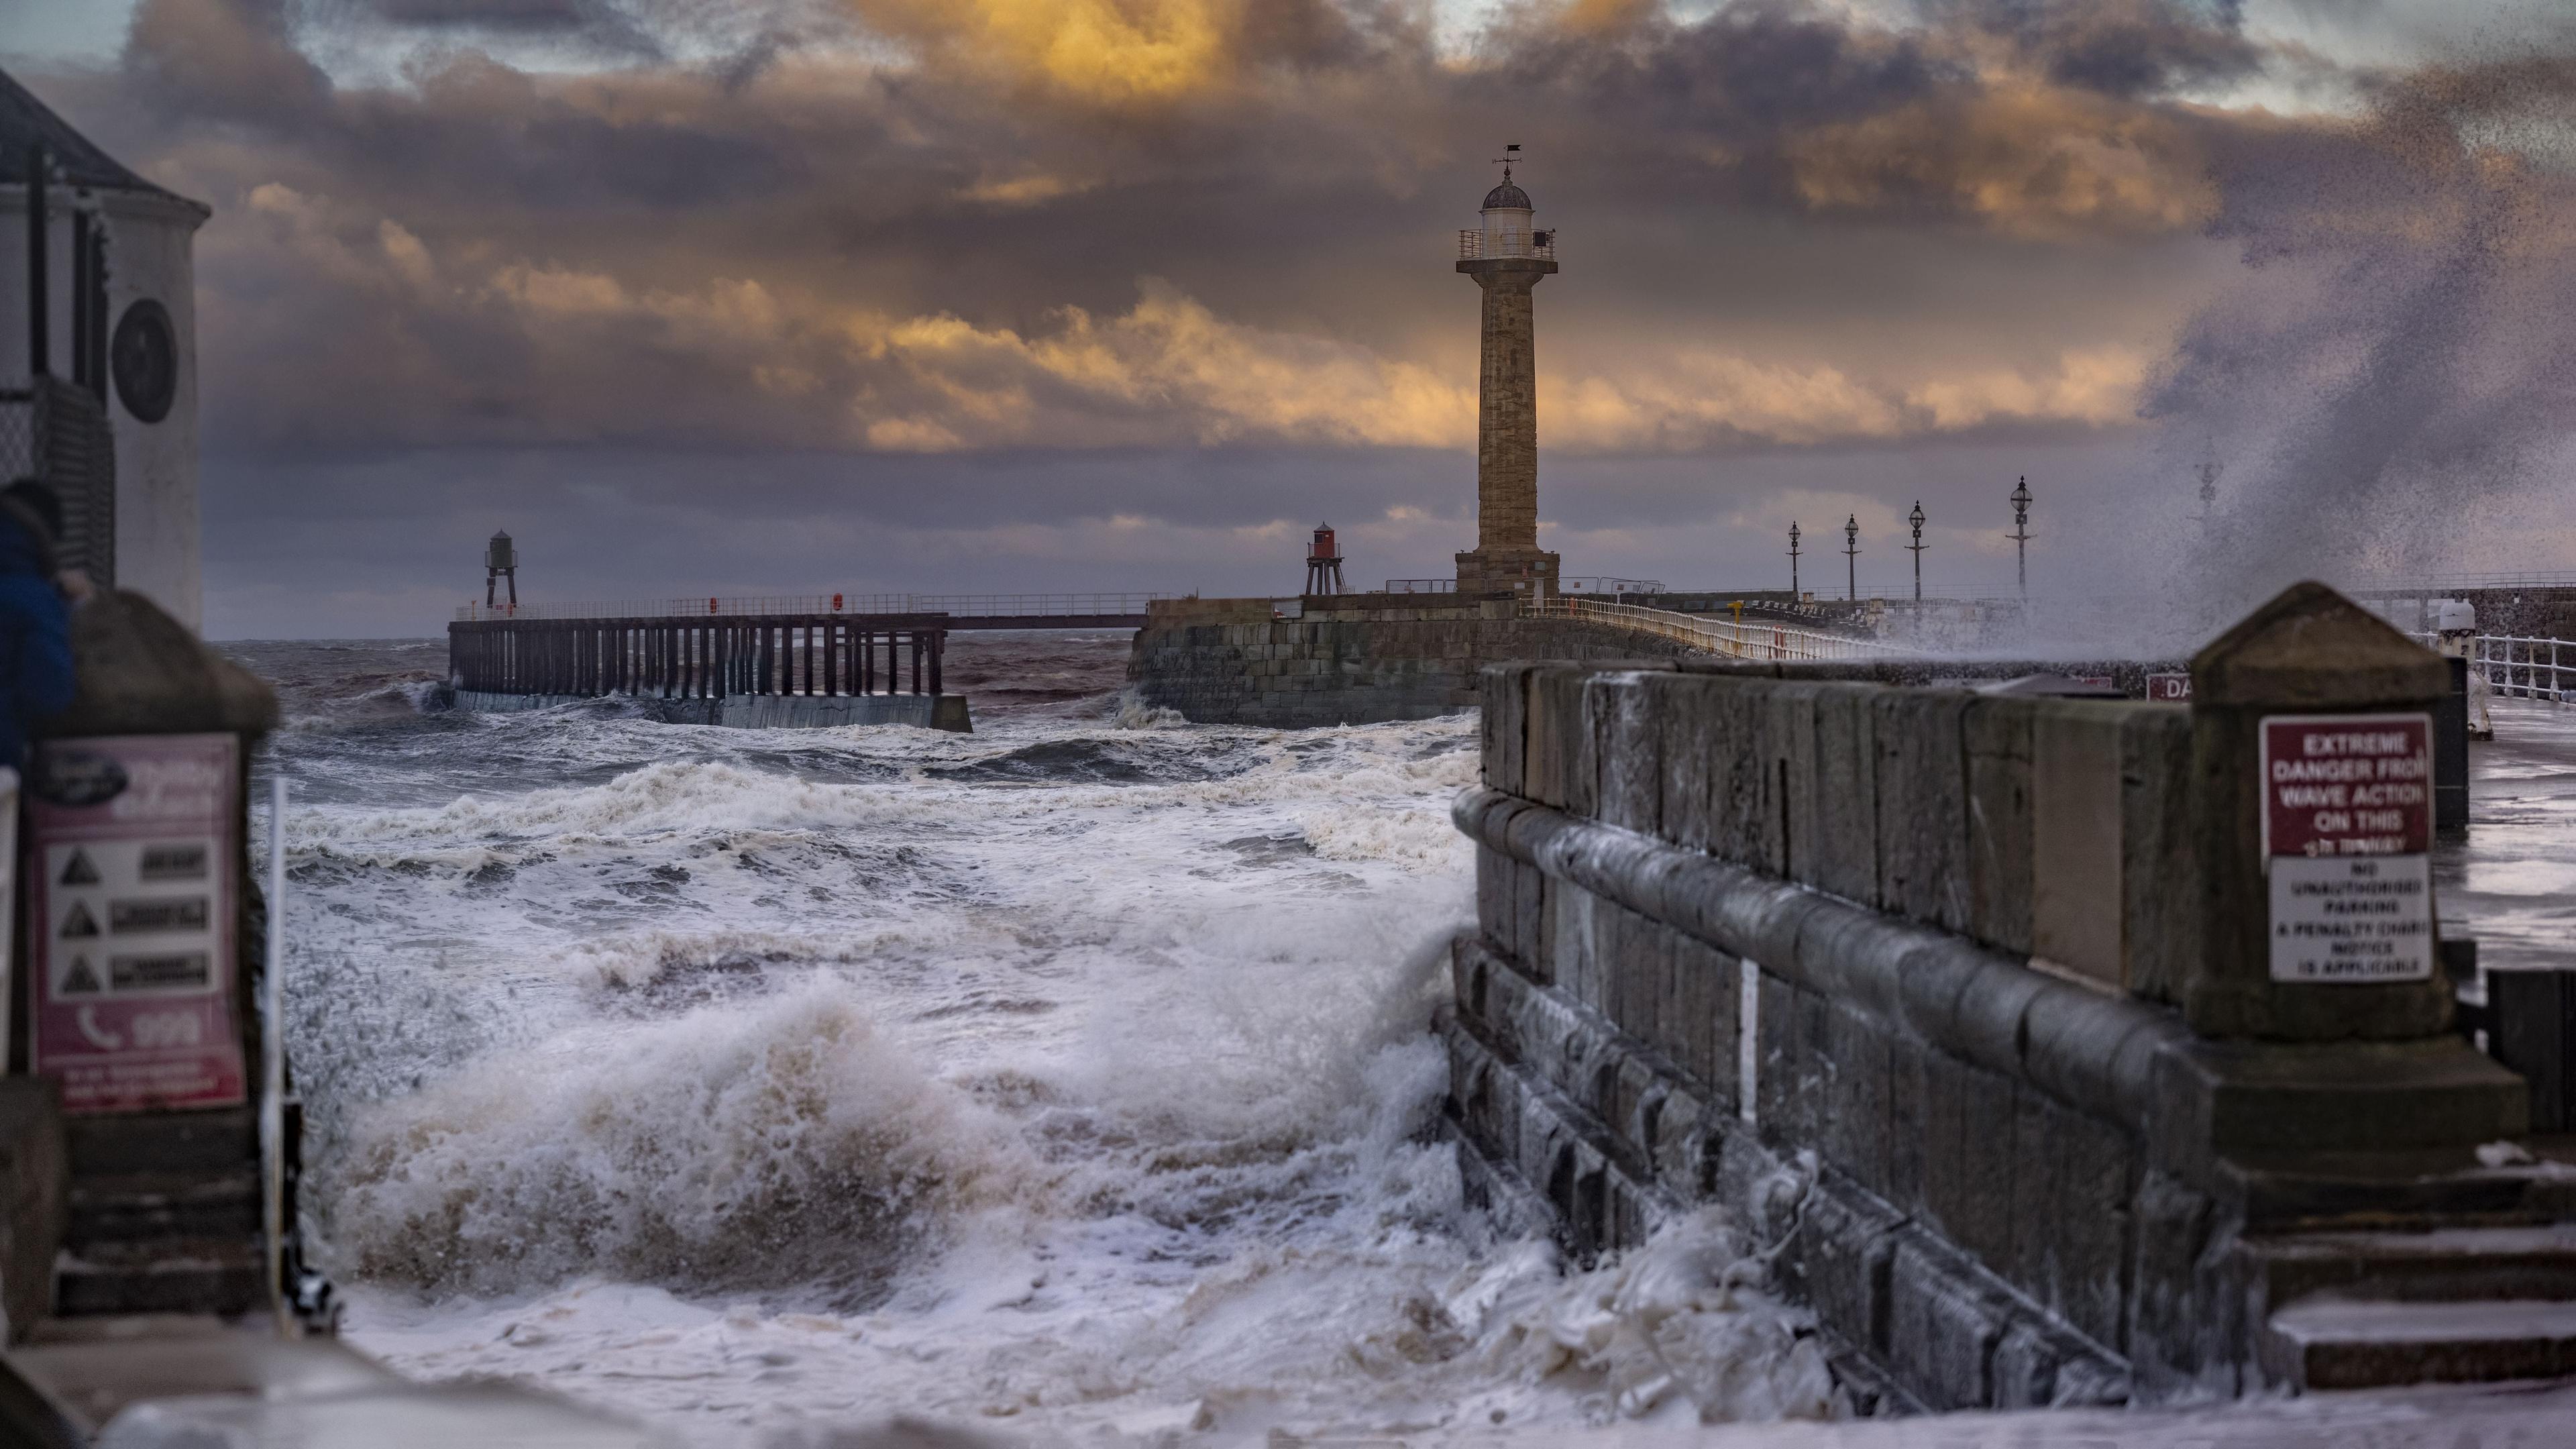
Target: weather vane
pixel 1511 153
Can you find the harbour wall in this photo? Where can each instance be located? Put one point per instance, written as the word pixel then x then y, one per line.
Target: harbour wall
pixel 1943 992
pixel 1348 659
pixel 757 711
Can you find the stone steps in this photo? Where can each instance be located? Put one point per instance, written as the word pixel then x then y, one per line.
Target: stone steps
pixel 164 1216
pixel 140 1206
pixel 2329 1342
pixel 222 1276
pixel 2449 1305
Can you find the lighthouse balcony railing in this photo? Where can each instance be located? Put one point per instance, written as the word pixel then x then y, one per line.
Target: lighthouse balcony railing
pixel 1481 246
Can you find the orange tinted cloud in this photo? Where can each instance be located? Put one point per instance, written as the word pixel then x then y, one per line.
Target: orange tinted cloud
pixel 2027 160
pixel 1113 52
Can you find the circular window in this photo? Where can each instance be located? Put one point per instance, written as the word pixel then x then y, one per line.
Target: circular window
pixel 144 358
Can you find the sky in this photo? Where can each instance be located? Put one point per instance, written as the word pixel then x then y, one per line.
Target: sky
pixel 794 296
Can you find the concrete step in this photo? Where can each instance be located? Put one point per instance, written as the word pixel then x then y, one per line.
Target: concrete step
pixel 219 1275
pixel 120 1144
pixel 146 1205
pixel 2294 1191
pixel 2331 1342
pixel 2528 1262
pixel 2380 1308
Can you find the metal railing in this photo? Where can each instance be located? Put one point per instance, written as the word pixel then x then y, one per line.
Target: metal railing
pixel 1476 246
pixel 964 606
pixel 2524 667
pixel 1717 636
pixel 2516 666
pixel 1601 584
pixel 1585 584
pixel 2436 585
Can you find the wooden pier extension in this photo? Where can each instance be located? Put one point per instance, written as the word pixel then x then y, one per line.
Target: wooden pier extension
pixel 880 668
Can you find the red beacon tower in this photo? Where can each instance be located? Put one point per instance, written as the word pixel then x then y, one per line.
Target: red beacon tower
pixel 1324 564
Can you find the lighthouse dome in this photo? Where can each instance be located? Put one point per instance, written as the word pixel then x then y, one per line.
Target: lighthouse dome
pixel 1507 196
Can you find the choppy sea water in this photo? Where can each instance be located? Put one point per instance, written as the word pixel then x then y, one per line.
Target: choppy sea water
pixel 1069 1080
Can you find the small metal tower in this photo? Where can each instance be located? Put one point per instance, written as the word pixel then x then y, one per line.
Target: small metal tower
pixel 2021 534
pixel 1851 555
pixel 1916 548
pixel 1324 564
pixel 1793 560
pixel 500 561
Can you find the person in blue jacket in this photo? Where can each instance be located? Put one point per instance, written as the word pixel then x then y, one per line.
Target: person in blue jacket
pixel 35 622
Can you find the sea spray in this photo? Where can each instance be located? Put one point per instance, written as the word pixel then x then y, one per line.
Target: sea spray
pixel 2392 378
pixel 790 1145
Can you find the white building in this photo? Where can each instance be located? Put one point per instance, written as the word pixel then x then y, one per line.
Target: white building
pixel 132 337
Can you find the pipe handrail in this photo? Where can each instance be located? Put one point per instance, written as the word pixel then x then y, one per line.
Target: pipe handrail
pixel 1716 636
pixel 2492 656
pixel 719 606
pixel 2491 660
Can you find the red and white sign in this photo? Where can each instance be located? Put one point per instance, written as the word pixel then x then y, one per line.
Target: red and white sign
pixel 2169 687
pixel 2347 836
pixel 131 850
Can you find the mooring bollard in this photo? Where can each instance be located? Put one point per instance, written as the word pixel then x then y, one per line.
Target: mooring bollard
pixel 2312 747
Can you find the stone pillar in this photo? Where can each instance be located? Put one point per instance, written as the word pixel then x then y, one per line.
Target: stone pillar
pixel 2309 653
pixel 1506 558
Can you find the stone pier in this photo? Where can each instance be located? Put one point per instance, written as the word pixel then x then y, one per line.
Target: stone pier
pixel 1960 1000
pixel 1345 658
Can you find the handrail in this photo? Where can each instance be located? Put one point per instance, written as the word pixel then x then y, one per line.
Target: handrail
pixel 1476 246
pixel 968 606
pixel 2492 660
pixel 1716 636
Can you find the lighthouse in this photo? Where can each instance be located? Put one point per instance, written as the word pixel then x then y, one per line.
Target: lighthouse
pixel 1507 257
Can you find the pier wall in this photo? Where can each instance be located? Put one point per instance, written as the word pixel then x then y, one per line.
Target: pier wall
pixel 760 711
pixel 1900 974
pixel 1354 659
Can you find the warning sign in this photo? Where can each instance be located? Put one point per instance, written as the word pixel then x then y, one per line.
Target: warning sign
pixel 2347 836
pixel 2167 686
pixel 131 847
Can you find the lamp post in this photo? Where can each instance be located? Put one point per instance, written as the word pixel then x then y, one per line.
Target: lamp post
pixel 1916 547
pixel 2021 534
pixel 1793 560
pixel 1851 554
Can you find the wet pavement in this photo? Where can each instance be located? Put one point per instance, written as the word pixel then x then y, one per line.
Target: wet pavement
pixel 2512 882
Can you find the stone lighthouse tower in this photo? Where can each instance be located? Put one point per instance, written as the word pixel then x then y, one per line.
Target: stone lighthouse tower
pixel 1507 258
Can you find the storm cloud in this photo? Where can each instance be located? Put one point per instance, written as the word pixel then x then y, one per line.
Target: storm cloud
pixel 957 265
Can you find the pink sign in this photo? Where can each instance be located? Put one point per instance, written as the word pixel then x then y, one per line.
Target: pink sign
pixel 132 848
pixel 2169 687
pixel 2347 784
pixel 2347 827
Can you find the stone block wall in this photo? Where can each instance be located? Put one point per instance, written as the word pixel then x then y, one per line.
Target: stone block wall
pixel 1890 968
pixel 1366 659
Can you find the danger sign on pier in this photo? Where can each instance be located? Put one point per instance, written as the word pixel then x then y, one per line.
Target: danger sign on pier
pixel 2347 841
pixel 130 916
